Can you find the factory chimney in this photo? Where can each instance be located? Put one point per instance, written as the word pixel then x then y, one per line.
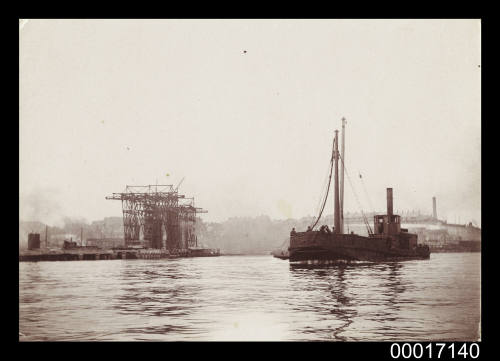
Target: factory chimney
pixel 434 210
pixel 389 204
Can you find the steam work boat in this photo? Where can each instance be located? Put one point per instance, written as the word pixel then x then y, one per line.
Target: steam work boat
pixel 386 242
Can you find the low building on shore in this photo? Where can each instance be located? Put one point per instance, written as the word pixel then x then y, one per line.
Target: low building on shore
pixel 105 242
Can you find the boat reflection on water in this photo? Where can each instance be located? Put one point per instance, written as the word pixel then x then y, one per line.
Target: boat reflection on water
pixel 352 296
pixel 158 293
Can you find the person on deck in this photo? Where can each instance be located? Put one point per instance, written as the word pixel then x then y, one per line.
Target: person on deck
pixel 309 229
pixel 292 233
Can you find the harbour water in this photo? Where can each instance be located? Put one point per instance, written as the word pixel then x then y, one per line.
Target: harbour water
pixel 250 298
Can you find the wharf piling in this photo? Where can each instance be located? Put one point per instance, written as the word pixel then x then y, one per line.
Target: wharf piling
pixel 87 254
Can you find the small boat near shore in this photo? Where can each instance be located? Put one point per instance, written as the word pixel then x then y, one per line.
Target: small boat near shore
pixel 282 254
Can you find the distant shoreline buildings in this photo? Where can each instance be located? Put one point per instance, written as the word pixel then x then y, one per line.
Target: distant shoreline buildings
pixel 247 234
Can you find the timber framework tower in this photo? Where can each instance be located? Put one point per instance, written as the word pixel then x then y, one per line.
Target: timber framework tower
pixel 157 216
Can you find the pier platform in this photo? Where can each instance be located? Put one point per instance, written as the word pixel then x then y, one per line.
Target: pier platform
pixel 81 254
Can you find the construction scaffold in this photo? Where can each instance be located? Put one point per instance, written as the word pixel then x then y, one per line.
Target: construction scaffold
pixel 157 216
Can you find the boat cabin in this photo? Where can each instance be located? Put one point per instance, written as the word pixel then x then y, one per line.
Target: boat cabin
pixel 384 224
pixel 389 225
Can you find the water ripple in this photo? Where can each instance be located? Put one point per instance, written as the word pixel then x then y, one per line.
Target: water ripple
pixel 250 298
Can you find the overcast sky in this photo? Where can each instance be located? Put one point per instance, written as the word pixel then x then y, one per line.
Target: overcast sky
pixel 245 110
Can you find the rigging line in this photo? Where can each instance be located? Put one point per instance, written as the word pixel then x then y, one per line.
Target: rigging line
pixel 327 190
pixel 284 243
pixel 324 187
pixel 366 193
pixel 324 202
pixel 365 220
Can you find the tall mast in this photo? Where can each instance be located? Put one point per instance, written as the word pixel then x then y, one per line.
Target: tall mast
pixel 342 157
pixel 336 213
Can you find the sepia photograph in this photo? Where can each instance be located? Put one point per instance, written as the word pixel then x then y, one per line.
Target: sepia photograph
pixel 251 180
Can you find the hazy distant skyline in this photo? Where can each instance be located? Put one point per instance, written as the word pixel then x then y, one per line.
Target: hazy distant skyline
pixel 245 110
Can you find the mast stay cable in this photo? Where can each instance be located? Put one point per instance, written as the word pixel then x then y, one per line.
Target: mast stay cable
pixel 324 185
pixel 327 189
pixel 366 193
pixel 365 220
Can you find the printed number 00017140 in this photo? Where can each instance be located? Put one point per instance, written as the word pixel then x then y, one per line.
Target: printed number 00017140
pixel 435 350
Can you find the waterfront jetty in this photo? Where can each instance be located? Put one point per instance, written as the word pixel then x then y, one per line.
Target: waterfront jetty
pixel 93 253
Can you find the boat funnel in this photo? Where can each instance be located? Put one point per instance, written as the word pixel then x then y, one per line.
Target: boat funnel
pixel 389 203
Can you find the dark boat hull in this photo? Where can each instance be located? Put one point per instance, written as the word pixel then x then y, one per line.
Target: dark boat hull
pixel 350 255
pixel 350 247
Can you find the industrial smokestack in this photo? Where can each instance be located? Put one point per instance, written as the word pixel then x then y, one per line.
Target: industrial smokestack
pixel 389 203
pixel 434 209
